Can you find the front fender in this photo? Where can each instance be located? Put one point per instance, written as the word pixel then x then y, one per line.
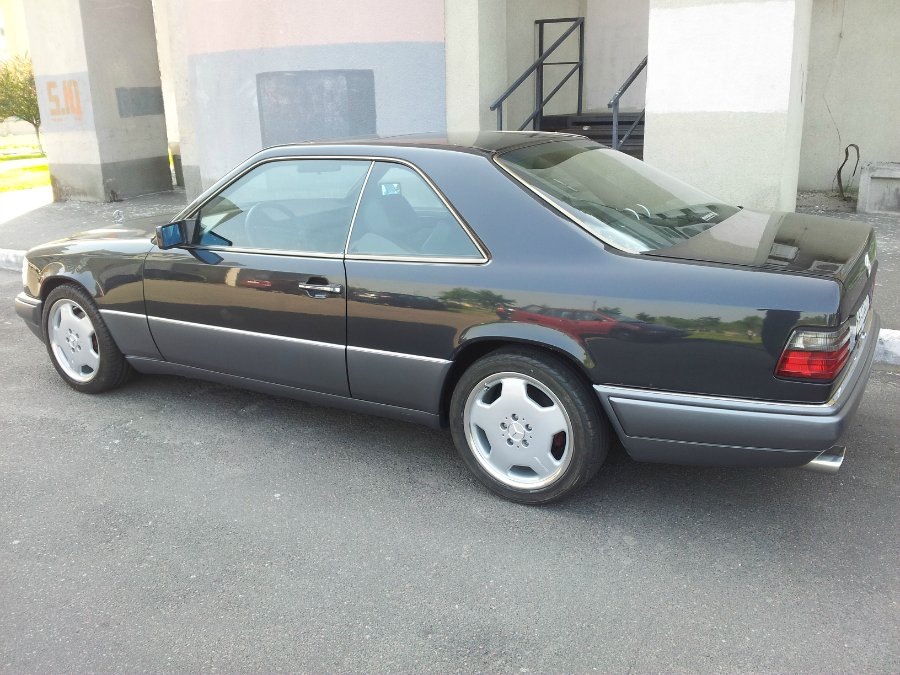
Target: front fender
pixel 52 274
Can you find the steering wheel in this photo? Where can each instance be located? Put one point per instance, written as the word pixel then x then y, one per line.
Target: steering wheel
pixel 256 222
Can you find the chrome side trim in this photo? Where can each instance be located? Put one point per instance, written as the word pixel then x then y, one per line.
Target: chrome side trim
pixel 719 402
pixel 192 212
pixel 314 343
pixel 116 312
pixel 267 251
pixel 695 429
pixel 401 355
pixel 846 385
pixel 280 338
pixel 415 259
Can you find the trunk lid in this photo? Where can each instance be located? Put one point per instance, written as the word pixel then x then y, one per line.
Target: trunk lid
pixel 795 243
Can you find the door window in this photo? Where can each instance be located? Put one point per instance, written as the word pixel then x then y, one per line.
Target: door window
pixel 401 215
pixel 301 205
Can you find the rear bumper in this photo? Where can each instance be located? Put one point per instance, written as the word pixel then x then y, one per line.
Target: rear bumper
pixel 30 310
pixel 706 430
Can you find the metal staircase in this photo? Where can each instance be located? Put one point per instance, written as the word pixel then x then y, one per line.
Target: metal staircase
pixel 602 126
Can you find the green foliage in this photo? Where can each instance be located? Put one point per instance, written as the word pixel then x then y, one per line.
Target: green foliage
pixel 18 95
pixel 24 177
pixel 483 299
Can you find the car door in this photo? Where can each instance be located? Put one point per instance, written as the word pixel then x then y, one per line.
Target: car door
pixel 416 276
pixel 260 291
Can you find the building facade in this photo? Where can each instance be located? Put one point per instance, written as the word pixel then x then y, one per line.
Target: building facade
pixel 748 99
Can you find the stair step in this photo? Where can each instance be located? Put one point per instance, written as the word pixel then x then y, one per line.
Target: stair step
pixel 598 127
pixel 637 134
pixel 626 118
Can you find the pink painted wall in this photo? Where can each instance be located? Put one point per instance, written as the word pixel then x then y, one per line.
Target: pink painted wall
pixel 230 25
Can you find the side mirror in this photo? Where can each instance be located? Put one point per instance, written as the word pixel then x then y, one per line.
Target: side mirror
pixel 173 235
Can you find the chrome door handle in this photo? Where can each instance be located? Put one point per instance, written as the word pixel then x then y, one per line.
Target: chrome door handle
pixel 337 289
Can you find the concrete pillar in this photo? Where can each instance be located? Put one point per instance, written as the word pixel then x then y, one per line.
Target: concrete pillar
pixel 173 24
pixel 476 61
pixel 98 84
pixel 164 50
pixel 725 96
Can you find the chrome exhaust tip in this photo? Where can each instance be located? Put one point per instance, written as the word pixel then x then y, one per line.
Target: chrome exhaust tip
pixel 829 461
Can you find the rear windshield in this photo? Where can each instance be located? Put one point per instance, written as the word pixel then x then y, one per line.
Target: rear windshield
pixel 621 200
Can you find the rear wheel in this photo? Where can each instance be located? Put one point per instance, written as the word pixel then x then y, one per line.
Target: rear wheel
pixel 528 426
pixel 78 341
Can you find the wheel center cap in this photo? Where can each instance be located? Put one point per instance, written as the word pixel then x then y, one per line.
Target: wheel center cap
pixel 73 342
pixel 516 431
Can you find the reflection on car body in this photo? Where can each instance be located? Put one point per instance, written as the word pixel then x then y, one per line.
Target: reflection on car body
pixel 591 323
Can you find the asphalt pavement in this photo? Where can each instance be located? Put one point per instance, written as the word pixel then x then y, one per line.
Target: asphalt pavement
pixel 179 526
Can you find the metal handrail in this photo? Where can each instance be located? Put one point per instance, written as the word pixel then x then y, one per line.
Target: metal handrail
pixel 614 104
pixel 538 65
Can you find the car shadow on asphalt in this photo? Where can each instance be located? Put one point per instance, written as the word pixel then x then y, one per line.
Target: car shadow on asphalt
pixel 623 485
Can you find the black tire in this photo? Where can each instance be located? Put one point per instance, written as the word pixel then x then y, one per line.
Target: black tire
pixel 113 370
pixel 590 432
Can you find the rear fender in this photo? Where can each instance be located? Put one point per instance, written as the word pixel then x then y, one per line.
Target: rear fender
pixel 527 333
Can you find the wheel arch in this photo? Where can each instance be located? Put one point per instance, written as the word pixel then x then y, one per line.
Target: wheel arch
pixel 479 343
pixel 55 275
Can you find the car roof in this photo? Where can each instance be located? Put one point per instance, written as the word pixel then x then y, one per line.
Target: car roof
pixel 488 142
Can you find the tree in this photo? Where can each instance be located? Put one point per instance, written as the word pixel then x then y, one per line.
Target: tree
pixel 483 299
pixel 18 95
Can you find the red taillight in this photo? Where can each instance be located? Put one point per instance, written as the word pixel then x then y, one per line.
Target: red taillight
pixel 814 355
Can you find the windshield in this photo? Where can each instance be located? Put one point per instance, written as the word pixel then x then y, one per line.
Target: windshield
pixel 618 198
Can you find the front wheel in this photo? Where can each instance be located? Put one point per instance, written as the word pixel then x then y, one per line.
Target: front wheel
pixel 78 341
pixel 528 426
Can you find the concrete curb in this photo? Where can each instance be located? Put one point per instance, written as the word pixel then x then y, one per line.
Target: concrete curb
pixel 11 259
pixel 887 351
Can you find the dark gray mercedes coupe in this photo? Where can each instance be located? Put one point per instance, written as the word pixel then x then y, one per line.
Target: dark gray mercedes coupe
pixel 537 293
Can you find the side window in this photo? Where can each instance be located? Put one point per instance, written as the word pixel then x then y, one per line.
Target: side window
pixel 287 205
pixel 400 215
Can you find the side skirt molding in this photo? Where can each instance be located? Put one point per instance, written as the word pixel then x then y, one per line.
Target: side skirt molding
pixel 157 367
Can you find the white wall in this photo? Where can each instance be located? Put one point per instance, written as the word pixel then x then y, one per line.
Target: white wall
pixel 14 41
pixel 725 94
pixel 476 61
pixel 853 92
pixel 615 43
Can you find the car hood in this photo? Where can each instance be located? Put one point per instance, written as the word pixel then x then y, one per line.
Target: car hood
pixel 790 242
pixel 111 234
pixel 131 238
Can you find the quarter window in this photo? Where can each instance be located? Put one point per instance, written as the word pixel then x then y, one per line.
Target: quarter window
pixel 289 205
pixel 401 215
